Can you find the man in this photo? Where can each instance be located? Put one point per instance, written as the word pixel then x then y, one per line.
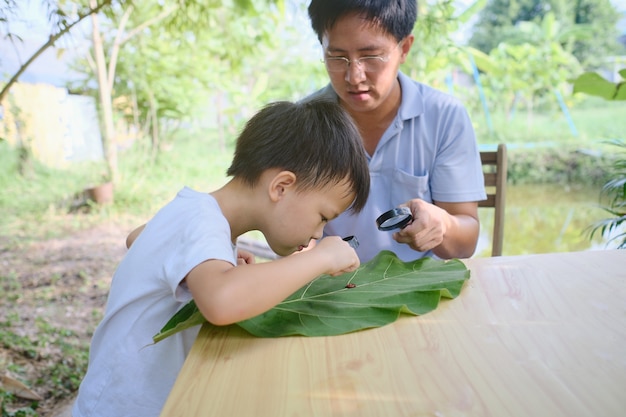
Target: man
pixel 421 147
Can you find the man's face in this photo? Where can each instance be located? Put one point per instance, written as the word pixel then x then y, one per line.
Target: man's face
pixel 353 37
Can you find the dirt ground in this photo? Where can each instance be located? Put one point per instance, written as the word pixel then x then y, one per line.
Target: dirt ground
pixel 54 293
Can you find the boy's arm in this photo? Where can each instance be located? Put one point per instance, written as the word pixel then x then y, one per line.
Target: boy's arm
pixel 227 294
pixel 133 235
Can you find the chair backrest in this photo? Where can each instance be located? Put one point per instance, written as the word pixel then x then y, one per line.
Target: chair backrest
pixel 494 168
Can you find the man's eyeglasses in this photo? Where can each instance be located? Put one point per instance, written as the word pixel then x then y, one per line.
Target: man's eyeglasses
pixel 369 63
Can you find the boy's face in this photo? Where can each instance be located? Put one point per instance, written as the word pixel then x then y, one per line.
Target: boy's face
pixel 353 37
pixel 301 216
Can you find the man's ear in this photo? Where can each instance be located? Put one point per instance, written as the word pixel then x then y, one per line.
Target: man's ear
pixel 406 47
pixel 282 183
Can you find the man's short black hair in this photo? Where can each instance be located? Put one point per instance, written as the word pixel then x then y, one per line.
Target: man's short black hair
pixel 396 17
pixel 317 140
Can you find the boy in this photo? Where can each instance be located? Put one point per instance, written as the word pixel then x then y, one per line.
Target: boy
pixel 420 142
pixel 296 166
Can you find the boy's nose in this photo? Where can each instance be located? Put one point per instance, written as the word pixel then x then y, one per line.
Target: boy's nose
pixel 318 233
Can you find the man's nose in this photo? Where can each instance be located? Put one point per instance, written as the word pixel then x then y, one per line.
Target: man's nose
pixel 355 73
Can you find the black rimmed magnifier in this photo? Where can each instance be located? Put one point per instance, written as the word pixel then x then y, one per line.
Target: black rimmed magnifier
pixel 352 241
pixel 396 218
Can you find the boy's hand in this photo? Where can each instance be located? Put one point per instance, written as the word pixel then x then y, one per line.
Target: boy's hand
pixel 342 258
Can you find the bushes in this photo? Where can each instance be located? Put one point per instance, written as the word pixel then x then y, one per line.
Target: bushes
pixel 557 166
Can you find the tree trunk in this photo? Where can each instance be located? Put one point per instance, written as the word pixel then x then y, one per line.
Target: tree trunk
pixel 106 105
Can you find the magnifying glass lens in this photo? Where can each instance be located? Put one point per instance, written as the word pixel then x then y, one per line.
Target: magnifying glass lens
pixel 394 219
pixel 393 223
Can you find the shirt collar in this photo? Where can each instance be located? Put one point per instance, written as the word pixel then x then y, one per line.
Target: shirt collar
pixel 412 104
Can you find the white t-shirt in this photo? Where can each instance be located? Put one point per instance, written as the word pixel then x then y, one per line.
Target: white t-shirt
pixel 128 375
pixel 429 152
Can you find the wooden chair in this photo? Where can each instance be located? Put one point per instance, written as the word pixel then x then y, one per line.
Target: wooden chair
pixel 494 168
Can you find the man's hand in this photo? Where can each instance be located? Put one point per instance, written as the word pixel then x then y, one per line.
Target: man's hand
pixel 450 230
pixel 427 229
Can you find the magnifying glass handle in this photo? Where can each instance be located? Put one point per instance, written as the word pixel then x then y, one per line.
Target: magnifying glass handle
pixel 352 241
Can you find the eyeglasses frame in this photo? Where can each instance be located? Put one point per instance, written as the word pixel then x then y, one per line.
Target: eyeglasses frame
pixel 383 58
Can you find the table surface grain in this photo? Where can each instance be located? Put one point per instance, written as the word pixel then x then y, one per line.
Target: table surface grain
pixel 531 335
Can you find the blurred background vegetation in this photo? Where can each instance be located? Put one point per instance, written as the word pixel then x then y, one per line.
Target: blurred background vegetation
pixel 176 79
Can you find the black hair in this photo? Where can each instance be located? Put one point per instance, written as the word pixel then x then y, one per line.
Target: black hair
pixel 396 17
pixel 316 140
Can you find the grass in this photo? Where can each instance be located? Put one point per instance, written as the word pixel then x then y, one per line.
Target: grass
pixel 36 204
pixel 594 119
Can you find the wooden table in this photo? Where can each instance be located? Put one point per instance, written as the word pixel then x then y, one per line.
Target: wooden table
pixel 533 335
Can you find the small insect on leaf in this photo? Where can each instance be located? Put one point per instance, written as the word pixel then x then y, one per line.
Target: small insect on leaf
pixel 350 285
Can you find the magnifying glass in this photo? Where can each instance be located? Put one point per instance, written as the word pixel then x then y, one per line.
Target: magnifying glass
pixel 352 241
pixel 396 218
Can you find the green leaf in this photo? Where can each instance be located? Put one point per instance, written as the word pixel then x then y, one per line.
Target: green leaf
pixel 484 62
pixel 385 287
pixel 593 84
pixel 186 317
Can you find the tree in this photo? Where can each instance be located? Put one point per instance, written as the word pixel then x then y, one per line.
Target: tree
pixel 499 22
pixel 531 69
pixel 62 24
pixel 114 24
pixel 171 73
pixel 435 52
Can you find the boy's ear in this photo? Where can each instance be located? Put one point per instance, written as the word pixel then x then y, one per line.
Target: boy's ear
pixel 282 183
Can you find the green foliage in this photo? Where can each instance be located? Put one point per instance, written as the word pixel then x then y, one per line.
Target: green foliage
pixel 527 71
pixel 384 288
pixel 594 84
pixel 555 165
pixel 176 57
pixel 500 21
pixel 39 191
pixel 614 191
pixel 435 52
pixel 614 196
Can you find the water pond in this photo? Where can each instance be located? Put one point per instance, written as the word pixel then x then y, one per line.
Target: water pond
pixel 545 218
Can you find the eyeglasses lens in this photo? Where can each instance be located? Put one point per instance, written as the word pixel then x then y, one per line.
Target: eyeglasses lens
pixel 367 64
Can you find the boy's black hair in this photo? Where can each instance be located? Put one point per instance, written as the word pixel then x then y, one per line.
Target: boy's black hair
pixel 396 17
pixel 316 140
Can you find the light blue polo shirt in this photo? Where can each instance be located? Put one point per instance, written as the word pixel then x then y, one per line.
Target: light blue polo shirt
pixel 429 152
